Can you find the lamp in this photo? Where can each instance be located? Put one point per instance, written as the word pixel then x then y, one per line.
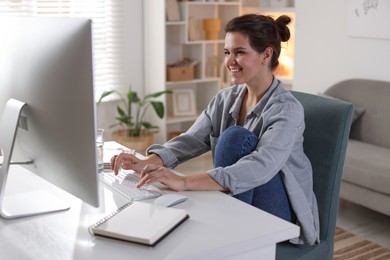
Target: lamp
pixel 286 64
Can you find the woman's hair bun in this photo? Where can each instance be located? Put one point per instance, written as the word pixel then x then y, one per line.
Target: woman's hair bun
pixel 281 24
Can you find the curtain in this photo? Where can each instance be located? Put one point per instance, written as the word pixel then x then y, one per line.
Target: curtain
pixel 107 27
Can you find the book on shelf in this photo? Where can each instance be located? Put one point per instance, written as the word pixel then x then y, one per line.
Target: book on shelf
pixel 172 10
pixel 192 30
pixel 140 222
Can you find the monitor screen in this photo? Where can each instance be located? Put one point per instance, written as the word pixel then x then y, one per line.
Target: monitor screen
pixel 46 64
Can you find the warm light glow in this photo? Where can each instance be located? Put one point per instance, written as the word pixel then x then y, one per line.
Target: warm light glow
pixel 286 64
pixel 286 58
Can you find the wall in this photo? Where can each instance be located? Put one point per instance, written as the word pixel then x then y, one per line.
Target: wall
pixel 324 54
pixel 133 63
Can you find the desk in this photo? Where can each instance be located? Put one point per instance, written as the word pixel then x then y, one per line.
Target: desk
pixel 219 227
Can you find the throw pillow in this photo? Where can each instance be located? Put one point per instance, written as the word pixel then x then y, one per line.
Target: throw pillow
pixel 357 113
pixel 357 110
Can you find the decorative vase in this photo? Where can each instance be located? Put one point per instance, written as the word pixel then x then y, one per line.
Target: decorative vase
pixel 138 143
pixel 211 28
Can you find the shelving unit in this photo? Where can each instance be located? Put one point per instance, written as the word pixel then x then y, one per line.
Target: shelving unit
pixel 167 42
pixel 174 44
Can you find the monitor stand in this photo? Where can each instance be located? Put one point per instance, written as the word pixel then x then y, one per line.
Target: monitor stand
pixel 21 204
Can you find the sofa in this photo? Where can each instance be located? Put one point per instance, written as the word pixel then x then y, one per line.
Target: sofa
pixel 366 174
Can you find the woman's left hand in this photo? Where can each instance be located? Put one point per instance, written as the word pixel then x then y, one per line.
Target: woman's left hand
pixel 157 173
pixel 127 162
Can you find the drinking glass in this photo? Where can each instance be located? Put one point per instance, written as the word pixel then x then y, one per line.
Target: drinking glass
pixel 99 144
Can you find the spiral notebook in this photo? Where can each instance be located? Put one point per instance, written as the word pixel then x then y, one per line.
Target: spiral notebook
pixel 140 222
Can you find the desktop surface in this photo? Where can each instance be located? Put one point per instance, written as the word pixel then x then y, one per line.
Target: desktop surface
pixel 219 227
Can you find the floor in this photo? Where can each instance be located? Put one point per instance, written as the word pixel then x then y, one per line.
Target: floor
pixel 358 220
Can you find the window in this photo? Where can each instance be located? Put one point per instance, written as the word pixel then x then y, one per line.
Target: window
pixel 107 17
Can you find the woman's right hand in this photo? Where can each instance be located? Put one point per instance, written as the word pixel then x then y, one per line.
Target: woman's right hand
pixel 156 173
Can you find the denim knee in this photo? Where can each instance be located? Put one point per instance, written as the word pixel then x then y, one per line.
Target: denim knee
pixel 234 143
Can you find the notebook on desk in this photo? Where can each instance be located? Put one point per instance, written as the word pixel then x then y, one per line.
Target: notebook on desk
pixel 140 222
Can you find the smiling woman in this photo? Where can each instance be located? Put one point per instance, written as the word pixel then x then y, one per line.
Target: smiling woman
pixel 254 130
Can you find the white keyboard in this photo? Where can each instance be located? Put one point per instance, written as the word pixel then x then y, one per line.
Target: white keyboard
pixel 125 184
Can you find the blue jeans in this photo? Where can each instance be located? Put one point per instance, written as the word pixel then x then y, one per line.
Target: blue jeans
pixel 236 142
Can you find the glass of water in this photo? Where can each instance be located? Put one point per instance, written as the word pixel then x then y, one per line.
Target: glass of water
pixel 99 144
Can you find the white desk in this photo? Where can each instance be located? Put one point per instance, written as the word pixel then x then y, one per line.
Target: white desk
pixel 219 227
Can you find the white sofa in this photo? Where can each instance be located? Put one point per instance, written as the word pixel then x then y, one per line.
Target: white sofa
pixel 366 175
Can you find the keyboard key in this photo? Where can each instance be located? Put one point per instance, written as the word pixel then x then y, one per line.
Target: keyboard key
pixel 125 184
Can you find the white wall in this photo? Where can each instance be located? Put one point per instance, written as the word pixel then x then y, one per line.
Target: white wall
pixel 324 54
pixel 133 63
pixel 134 46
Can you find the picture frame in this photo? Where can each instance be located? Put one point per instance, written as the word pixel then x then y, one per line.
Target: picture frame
pixel 364 19
pixel 184 102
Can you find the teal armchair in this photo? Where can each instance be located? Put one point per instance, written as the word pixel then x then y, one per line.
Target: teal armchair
pixel 328 123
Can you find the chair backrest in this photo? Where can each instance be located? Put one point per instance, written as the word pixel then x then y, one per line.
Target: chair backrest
pixel 328 123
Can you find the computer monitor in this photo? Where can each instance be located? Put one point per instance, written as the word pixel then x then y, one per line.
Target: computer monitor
pixel 48 123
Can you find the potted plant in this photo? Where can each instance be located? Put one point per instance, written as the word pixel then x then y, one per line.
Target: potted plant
pixel 135 132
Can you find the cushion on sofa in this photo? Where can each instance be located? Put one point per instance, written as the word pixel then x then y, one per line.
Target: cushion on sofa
pixel 357 110
pixel 373 95
pixel 368 166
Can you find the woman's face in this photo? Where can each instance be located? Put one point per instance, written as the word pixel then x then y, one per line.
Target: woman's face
pixel 245 64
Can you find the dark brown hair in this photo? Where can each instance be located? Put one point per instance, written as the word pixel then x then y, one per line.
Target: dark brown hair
pixel 263 31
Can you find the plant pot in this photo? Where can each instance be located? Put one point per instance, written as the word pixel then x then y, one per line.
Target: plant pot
pixel 211 28
pixel 140 144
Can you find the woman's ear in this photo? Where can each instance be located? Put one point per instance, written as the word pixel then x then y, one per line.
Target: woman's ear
pixel 267 55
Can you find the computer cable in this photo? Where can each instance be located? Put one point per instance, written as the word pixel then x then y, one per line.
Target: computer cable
pixel 21 163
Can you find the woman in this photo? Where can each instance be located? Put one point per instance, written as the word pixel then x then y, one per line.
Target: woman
pixel 254 129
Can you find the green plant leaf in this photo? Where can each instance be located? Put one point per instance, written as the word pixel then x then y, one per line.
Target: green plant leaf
pixel 124 120
pixel 150 127
pixel 121 112
pixel 157 94
pixel 158 107
pixel 132 97
pixel 103 95
pixel 124 116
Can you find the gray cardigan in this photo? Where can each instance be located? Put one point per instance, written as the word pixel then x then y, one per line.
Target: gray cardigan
pixel 278 121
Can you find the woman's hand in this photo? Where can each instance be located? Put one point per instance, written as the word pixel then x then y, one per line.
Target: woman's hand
pixel 128 161
pixel 157 173
pixel 152 170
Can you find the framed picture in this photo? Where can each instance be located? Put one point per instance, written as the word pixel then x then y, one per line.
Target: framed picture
pixel 364 18
pixel 184 103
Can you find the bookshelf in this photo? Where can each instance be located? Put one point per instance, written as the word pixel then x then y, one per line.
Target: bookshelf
pixel 175 44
